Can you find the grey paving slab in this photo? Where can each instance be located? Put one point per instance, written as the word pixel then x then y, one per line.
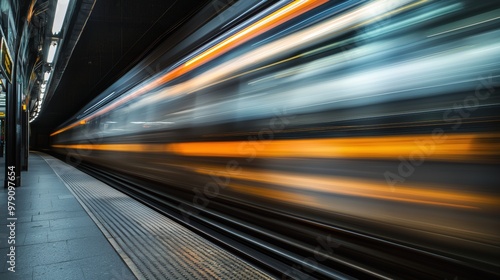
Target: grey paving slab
pixel 42 204
pixel 29 256
pixel 69 270
pixel 67 204
pixel 40 191
pixel 59 215
pixel 35 238
pixel 72 233
pixel 32 226
pixel 76 222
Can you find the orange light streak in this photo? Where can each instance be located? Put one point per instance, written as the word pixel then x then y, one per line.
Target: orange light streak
pixel 357 187
pixel 280 16
pixel 453 147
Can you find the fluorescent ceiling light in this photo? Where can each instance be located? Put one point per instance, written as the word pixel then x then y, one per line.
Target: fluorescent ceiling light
pixel 61 9
pixel 46 76
pixel 52 52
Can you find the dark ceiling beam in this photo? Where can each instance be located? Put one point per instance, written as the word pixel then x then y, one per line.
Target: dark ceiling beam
pixel 84 9
pixel 130 20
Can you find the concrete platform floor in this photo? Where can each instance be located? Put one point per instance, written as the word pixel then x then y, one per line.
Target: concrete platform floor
pixel 54 237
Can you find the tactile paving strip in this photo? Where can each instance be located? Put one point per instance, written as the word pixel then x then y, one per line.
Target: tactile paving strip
pixel 152 245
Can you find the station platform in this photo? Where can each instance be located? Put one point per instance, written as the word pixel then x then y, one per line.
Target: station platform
pixel 68 225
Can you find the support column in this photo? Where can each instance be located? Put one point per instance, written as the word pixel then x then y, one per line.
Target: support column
pixel 12 151
pixel 2 136
pixel 24 138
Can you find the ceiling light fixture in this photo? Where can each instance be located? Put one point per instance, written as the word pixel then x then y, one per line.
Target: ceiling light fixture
pixel 46 76
pixel 52 52
pixel 61 9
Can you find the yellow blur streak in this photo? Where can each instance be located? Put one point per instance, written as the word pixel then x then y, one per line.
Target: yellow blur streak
pixel 453 147
pixel 351 187
pixel 290 197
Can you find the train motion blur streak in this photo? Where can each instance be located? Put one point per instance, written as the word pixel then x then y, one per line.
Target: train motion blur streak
pixel 385 112
pixel 264 24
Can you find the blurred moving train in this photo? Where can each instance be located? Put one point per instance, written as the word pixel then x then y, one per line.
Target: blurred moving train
pixel 376 116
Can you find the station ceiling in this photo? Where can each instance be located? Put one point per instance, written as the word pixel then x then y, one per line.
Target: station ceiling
pixel 117 33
